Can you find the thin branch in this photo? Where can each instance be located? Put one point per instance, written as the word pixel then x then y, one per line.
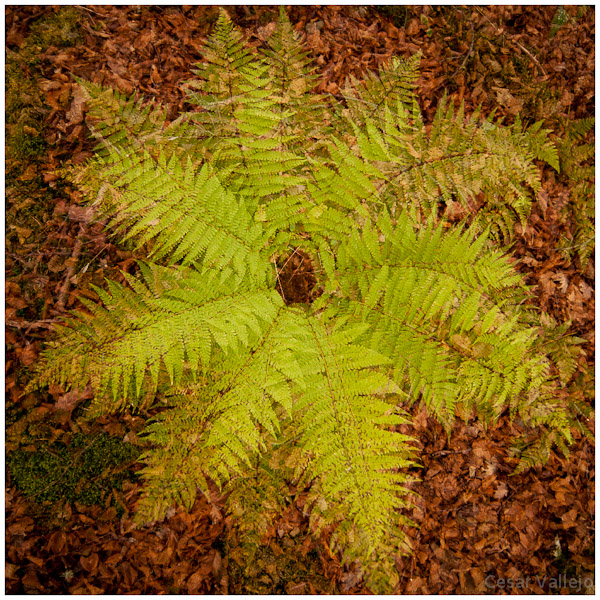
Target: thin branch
pixel 470 51
pixel 64 290
pixel 45 324
pixel 533 58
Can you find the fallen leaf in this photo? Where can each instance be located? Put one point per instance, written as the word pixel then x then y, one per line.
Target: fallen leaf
pixel 569 519
pixel 28 355
pixel 502 491
pixel 90 563
pixel 31 583
pixel 72 399
pixel 505 98
pixel 81 214
pixel 194 582
pixel 77 109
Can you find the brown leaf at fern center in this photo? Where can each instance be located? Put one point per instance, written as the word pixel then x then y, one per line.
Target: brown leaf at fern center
pixel 296 281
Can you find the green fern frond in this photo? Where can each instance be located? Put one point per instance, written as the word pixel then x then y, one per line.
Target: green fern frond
pixel 221 421
pixel 442 310
pixel 536 452
pixel 345 428
pixel 577 151
pixel 250 131
pixel 457 160
pixel 220 78
pixel 538 142
pixel 393 85
pixel 175 321
pixel 562 348
pixel 117 120
pixel 292 76
pixel 186 214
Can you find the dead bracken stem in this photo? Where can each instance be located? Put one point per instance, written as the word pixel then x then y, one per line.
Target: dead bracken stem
pixel 64 290
pixel 498 31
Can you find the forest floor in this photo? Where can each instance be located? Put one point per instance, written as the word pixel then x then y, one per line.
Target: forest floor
pixel 71 484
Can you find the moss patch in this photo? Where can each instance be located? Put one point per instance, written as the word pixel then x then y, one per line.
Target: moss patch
pixel 60 29
pixel 282 571
pixel 25 110
pixel 24 114
pixel 85 471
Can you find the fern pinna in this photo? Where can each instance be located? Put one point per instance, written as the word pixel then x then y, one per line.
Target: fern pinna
pixel 409 309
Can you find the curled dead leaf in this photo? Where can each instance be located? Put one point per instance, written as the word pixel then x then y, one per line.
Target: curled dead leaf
pixel 81 214
pixel 72 399
pixel 77 109
pixel 28 355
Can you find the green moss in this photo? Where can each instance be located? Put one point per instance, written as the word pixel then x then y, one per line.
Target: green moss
pixel 28 146
pixel 60 29
pixel 24 114
pixel 268 16
pixel 398 15
pixel 12 414
pixel 25 110
pixel 29 200
pixel 273 569
pixel 85 471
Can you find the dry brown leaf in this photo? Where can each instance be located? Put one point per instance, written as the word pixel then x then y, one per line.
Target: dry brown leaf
pixel 194 583
pixel 76 111
pixel 28 355
pixel 81 214
pixel 501 491
pixel 31 583
pixel 72 399
pixel 569 519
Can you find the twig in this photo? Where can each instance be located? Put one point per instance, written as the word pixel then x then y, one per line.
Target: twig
pixel 45 324
pixel 533 58
pixel 277 271
pixel 446 452
pixel 80 6
pixel 467 54
pixel 60 304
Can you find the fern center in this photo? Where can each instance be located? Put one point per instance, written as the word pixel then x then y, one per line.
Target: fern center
pixel 296 279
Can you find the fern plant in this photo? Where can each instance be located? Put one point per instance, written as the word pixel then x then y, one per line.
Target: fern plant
pixel 576 153
pixel 562 17
pixel 407 310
